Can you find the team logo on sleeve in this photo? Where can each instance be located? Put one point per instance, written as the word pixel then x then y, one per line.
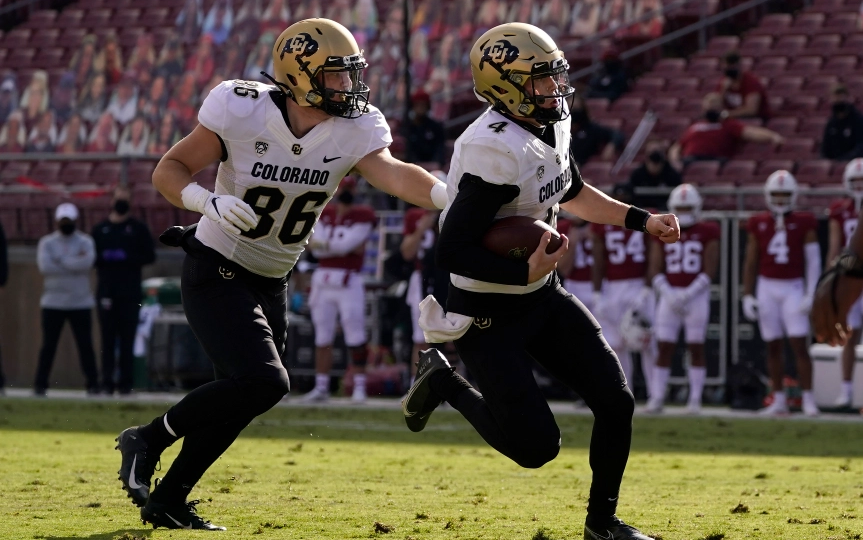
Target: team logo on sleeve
pixel 261 148
pixel 302 45
pixel 482 322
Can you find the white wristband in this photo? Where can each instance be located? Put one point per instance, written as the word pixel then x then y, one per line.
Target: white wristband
pixel 438 195
pixel 195 197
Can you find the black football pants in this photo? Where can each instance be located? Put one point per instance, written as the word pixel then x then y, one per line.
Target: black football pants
pixel 241 320
pixel 513 416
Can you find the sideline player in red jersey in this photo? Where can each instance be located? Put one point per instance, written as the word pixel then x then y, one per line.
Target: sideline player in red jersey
pixel 619 284
pixel 782 249
pixel 577 265
pixel 843 222
pixel 339 242
pixel 681 273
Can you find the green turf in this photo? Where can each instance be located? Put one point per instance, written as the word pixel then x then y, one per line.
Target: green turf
pixel 317 474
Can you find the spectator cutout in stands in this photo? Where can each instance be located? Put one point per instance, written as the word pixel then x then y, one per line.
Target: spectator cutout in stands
pixel 152 104
pixel 277 16
pixel 110 60
pixel 63 98
pixel 184 103
pixel 72 136
pixel 83 62
pixel 43 136
pixel 611 80
pixel 189 21
pixel 93 99
pixel 8 98
pixel 365 19
pixel 135 137
pixel 201 64
pixel 124 103
pixel 36 92
pixel 165 137
pixel 715 136
pixel 425 136
pixel 742 92
pixel 143 58
pixel 170 64
pixel 219 21
pixel 590 139
pixel 103 136
pixel 12 137
pixel 654 172
pixel 260 59
pixel 843 134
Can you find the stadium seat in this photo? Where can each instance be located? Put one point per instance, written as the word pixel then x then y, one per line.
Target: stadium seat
pixel 790 44
pixel 702 172
pixel 815 171
pixel 842 21
pixel 663 104
pixel 46 37
pixel 800 103
pixel 651 85
pixel 597 105
pixel 46 171
pixel 824 45
pixel 769 166
pixel 755 45
pixel 721 202
pixel 737 170
pixel 809 21
pixel 41 19
pixel 703 65
pixel 785 126
pixel 770 23
pixel 12 170
pixel 17 37
pixel 141 172
pixel 77 172
pixel 853 44
pixel 671 127
pixel 71 37
pixel 50 58
pixel 596 172
pixel 70 18
pixel 771 65
pixel 19 57
pixel 666 66
pixel 841 64
pixel 681 86
pixel 628 105
pixel 805 65
pixel 812 126
pixel 797 148
pixel 786 84
pixel 106 172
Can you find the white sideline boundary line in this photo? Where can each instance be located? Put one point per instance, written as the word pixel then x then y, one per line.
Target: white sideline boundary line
pixel 394 404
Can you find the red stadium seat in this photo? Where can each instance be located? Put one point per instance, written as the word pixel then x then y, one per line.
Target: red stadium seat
pixel 70 18
pixel 771 65
pixel 719 45
pixel 809 21
pixel 669 65
pixel 41 19
pixel 755 45
pixel 596 172
pixel 19 57
pixel 785 84
pixel 721 202
pixel 769 166
pixel 650 84
pixel 46 171
pixel 13 170
pixel 805 65
pixel 796 149
pixel 596 105
pixel 824 45
pixel 703 65
pixel 842 21
pixel 106 172
pixel 671 127
pixel 663 104
pixel 71 37
pixel 50 58
pixel 736 170
pixel 77 172
pixel 841 64
pixel 141 172
pixel 800 103
pixel 683 85
pixel 776 20
pixel 628 105
pixel 702 172
pixel 815 171
pixel 46 37
pixel 785 126
pixel 790 44
pixel 853 44
pixel 812 126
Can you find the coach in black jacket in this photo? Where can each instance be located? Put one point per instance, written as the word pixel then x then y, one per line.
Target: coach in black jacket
pixel 123 246
pixel 4 275
pixel 843 134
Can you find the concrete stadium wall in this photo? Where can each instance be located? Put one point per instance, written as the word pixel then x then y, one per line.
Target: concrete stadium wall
pixel 20 321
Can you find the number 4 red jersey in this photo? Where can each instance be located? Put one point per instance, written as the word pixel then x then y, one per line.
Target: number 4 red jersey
pixel 625 252
pixel 684 259
pixel 781 252
pixel 845 214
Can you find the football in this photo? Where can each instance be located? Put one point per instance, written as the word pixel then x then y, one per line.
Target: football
pixel 516 237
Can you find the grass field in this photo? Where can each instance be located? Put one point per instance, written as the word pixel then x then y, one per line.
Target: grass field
pixel 334 474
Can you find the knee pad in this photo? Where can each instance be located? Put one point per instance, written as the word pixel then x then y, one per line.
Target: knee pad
pixel 359 355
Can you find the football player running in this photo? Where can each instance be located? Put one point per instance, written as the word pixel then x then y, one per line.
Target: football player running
pixel 782 250
pixel 283 148
pixel 503 313
pixel 844 214
pixel 339 244
pixel 681 274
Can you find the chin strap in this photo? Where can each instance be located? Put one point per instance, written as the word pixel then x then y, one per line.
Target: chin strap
pixel 283 88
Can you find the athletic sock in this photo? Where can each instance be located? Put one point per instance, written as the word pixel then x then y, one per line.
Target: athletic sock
pixel 600 510
pixel 322 382
pixel 448 384
pixel 359 382
pixel 157 435
pixel 848 390
pixel 779 398
pixel 660 382
pixel 696 383
pixel 808 396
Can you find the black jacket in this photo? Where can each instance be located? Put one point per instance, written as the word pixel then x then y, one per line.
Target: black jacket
pixel 641 177
pixel 843 137
pixel 425 141
pixel 4 258
pixel 121 250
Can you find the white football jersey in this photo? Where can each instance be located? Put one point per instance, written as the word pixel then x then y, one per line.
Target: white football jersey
pixel 499 151
pixel 286 180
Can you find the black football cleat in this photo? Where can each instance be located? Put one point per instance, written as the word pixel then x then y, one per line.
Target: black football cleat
pixel 420 400
pixel 136 466
pixel 179 516
pixel 616 530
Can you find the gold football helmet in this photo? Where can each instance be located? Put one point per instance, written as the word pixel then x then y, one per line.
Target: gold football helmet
pixel 320 64
pixel 518 68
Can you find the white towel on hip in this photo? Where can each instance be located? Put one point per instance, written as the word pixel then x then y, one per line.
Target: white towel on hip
pixel 439 326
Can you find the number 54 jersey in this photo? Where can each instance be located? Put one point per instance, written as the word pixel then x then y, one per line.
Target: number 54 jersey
pixel 781 252
pixel 285 179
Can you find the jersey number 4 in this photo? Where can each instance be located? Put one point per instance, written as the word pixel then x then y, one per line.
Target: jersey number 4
pixel 778 247
pixel 299 220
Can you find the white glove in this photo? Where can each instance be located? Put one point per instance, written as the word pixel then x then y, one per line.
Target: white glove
pixel 805 304
pixel 599 309
pixel 231 213
pixel 750 307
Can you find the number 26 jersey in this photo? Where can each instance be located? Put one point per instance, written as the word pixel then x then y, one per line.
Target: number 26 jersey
pixel 285 179
pixel 781 251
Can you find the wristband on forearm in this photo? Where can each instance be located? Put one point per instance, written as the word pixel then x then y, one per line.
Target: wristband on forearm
pixel 636 219
pixel 195 197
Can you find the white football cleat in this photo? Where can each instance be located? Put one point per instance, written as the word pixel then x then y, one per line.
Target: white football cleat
pixel 359 394
pixel 654 406
pixel 316 396
pixel 842 402
pixel 810 408
pixel 775 409
pixel 693 408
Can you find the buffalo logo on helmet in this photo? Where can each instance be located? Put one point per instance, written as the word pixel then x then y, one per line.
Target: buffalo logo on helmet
pixel 502 52
pixel 302 45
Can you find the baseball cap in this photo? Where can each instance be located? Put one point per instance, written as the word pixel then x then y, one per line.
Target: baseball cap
pixel 66 210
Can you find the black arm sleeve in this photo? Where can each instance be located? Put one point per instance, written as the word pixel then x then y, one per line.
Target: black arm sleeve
pixel 577 181
pixel 4 262
pixel 460 250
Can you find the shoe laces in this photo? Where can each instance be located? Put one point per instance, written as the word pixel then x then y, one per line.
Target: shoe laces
pixel 191 507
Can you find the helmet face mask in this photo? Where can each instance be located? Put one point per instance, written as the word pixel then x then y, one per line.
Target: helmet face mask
pixel 320 65
pixel 519 70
